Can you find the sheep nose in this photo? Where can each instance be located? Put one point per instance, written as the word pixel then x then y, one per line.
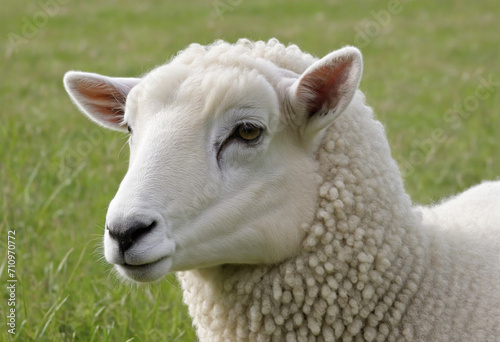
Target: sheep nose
pixel 127 233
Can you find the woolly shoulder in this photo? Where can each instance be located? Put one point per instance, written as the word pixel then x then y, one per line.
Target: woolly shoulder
pixel 476 211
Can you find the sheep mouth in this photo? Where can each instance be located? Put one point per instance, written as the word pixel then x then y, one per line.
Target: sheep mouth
pixel 142 265
pixel 146 273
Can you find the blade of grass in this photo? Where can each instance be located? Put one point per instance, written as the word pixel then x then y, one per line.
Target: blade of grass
pixel 51 313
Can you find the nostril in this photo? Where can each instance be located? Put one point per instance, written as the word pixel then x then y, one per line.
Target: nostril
pixel 140 231
pixel 127 234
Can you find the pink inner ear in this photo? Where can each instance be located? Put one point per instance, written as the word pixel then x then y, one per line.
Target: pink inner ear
pixel 105 99
pixel 325 87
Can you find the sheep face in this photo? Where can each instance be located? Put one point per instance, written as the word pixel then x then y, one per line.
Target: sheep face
pixel 222 166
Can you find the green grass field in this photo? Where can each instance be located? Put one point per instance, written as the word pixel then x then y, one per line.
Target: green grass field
pixel 432 74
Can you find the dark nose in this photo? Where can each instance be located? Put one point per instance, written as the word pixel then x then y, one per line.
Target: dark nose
pixel 128 233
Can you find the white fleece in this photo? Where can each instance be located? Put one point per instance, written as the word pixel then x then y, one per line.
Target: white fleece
pixel 371 267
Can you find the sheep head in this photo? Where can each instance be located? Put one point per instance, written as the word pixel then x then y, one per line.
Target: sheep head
pixel 222 157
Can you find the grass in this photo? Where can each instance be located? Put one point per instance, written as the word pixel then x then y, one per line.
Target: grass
pixel 59 172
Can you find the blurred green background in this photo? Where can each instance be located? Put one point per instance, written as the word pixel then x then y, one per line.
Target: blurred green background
pixel 431 74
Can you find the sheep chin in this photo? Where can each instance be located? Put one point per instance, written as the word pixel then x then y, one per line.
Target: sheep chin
pixel 146 273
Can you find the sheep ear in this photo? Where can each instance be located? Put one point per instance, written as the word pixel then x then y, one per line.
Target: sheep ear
pixel 99 97
pixel 326 88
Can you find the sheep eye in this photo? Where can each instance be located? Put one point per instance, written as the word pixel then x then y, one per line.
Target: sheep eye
pixel 129 129
pixel 248 132
pixel 245 132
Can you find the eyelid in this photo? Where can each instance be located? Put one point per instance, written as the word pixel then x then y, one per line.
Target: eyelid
pixel 229 130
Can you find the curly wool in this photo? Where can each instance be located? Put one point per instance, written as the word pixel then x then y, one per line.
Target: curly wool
pixel 369 269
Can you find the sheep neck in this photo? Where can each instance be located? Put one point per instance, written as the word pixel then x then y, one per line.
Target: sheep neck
pixel 361 256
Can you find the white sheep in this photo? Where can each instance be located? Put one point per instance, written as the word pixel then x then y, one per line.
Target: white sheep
pixel 259 174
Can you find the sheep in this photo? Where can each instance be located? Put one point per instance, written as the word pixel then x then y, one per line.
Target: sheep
pixel 259 175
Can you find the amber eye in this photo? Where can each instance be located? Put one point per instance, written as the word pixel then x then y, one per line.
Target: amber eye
pixel 248 132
